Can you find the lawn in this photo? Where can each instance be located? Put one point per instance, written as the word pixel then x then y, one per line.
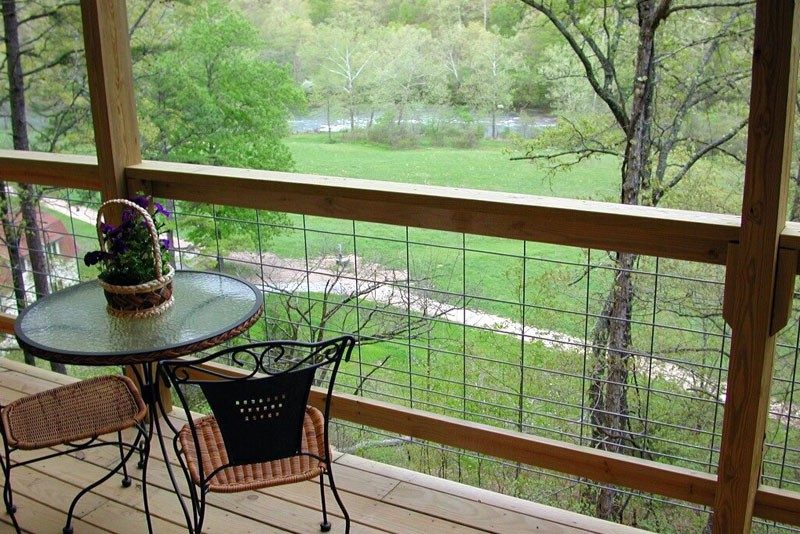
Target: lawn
pixel 487 167
pixel 489 269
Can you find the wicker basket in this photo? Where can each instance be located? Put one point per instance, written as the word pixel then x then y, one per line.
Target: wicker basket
pixel 142 300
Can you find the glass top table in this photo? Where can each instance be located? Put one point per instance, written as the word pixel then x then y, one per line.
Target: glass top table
pixel 72 325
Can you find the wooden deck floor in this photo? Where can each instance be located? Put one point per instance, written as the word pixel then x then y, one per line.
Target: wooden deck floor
pixel 380 498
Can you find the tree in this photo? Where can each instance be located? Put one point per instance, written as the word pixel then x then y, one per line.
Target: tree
pixel 344 60
pixel 794 208
pixel 28 194
pixel 695 67
pixel 287 27
pixel 407 75
pixel 453 54
pixel 464 11
pixel 338 292
pixel 320 10
pixel 58 88
pixel 210 98
pixel 486 84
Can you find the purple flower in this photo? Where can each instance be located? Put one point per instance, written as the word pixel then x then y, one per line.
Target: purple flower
pixel 142 201
pixel 162 210
pixel 127 245
pixel 95 257
pixel 118 245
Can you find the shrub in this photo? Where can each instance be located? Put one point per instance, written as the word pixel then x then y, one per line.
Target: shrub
pixel 453 134
pixel 393 135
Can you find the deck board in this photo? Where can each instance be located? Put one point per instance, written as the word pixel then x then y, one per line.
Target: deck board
pixel 379 498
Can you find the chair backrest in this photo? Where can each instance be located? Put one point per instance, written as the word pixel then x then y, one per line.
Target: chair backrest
pixel 260 415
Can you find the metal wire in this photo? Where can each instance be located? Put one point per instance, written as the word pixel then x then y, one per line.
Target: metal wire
pixel 501 337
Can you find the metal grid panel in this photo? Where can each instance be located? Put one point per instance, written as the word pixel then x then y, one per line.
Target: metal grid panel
pixel 493 331
pixel 488 330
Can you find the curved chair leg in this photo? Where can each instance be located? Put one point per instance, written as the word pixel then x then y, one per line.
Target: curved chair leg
pixel 189 515
pixel 68 526
pixel 338 499
pixel 325 526
pixel 126 480
pixel 200 513
pixel 144 453
pixel 142 457
pixel 8 497
pixel 197 498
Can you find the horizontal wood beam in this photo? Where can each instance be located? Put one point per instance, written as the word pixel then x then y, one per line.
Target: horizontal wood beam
pixel 790 236
pixel 653 477
pixel 80 172
pixel 597 465
pixel 685 235
pixel 779 505
pixel 601 466
pixel 7 323
pixel 56 170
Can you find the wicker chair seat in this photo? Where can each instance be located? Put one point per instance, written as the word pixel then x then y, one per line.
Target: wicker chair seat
pixel 72 413
pixel 257 475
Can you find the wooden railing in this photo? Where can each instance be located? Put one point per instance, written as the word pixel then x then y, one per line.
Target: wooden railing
pixel 758 269
pixel 659 232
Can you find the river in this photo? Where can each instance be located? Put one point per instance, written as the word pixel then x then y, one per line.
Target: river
pixel 524 124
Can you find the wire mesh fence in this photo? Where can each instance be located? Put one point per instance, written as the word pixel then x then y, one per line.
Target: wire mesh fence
pixel 494 331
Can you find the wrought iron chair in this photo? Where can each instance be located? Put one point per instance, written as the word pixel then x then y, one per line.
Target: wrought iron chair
pixel 261 432
pixel 72 417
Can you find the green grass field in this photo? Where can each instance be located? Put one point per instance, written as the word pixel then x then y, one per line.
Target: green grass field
pixel 491 268
pixel 488 167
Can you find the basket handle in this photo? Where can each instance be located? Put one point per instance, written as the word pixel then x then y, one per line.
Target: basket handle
pixel 148 221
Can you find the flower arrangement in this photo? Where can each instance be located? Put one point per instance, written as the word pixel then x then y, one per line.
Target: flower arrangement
pixel 126 255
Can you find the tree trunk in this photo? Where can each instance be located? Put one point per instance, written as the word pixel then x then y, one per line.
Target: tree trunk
pixel 608 396
pixel 608 392
pixel 29 205
pixel 328 117
pixel 12 239
pixel 29 200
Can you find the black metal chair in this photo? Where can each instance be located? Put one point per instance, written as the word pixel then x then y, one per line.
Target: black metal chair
pixel 261 432
pixel 73 417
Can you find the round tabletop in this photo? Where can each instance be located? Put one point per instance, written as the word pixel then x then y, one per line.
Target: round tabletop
pixel 72 325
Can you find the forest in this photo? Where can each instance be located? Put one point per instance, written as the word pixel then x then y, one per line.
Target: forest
pixel 645 104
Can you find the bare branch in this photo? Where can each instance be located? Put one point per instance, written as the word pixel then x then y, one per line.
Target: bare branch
pixel 140 18
pixel 707 5
pixel 50 13
pixel 702 151
pixel 617 109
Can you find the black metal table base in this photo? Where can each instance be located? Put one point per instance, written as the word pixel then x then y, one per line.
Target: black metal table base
pixel 147 378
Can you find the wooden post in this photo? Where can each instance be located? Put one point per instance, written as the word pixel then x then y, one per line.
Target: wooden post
pixel 116 129
pixel 750 288
pixel 108 62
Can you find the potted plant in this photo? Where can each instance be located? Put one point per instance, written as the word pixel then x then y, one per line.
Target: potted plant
pixel 135 273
